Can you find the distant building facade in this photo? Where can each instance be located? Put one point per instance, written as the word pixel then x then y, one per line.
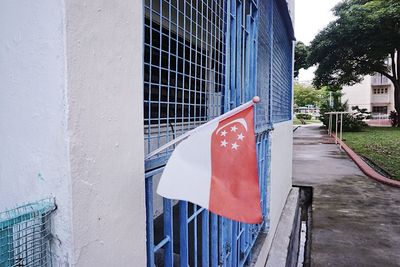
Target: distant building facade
pixel 375 93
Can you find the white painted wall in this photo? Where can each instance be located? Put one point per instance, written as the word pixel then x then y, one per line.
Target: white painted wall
pixel 71 123
pixel 105 87
pixel 281 180
pixel 361 94
pixel 281 169
pixel 358 94
pixel 33 111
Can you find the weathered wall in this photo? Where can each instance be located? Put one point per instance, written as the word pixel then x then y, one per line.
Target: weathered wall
pixel 33 111
pixel 104 59
pixel 71 124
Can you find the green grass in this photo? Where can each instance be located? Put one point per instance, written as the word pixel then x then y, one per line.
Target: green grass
pixel 296 121
pixel 381 145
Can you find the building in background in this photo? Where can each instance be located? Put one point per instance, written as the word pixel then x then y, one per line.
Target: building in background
pixel 314 111
pixel 375 93
pixel 90 87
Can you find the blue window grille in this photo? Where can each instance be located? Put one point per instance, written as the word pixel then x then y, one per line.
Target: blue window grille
pixel 203 58
pixel 184 68
pixel 25 235
pixel 264 66
pixel 281 82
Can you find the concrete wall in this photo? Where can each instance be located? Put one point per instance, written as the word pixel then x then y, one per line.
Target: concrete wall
pixel 358 94
pixel 281 169
pixel 34 160
pixel 71 124
pixel 280 183
pixel 105 85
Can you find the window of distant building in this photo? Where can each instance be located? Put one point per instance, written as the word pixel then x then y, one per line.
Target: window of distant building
pixel 380 109
pixel 380 91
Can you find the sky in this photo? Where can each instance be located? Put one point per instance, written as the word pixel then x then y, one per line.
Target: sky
pixel 311 16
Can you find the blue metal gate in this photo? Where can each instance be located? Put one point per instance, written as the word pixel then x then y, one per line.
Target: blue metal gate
pixel 203 58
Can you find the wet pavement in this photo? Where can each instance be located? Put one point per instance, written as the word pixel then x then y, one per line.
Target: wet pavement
pixel 355 220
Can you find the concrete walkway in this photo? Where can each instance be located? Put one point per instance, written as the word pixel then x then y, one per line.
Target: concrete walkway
pixel 355 220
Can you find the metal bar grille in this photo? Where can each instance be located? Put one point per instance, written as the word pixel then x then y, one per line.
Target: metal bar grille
pixel 184 68
pixel 25 235
pixel 264 56
pixel 201 239
pixel 201 60
pixel 281 69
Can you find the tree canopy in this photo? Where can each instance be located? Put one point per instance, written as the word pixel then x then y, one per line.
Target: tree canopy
pixel 305 95
pixel 363 40
pixel 300 57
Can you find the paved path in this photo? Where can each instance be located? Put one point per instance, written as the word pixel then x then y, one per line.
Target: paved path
pixel 356 220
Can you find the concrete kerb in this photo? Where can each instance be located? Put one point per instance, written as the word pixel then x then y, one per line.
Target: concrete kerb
pixel 365 168
pixel 279 252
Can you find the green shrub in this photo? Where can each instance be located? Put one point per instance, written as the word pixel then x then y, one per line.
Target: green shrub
pixel 303 116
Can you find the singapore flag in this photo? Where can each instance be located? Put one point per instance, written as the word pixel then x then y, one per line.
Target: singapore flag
pixel 216 168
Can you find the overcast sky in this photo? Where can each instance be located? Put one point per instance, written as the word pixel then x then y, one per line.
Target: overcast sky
pixel 311 17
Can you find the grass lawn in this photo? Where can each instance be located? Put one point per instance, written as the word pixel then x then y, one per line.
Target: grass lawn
pixel 381 145
pixel 296 121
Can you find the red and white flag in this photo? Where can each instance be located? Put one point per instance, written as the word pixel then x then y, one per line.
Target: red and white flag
pixel 216 168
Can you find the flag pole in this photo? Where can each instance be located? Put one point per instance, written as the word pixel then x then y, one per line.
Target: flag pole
pixel 232 112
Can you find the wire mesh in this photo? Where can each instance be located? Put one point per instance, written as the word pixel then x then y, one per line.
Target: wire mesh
pixel 184 67
pixel 25 234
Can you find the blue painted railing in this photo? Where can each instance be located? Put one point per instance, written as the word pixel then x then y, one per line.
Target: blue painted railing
pixel 203 58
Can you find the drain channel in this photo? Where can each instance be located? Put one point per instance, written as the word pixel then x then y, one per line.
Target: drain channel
pixel 305 207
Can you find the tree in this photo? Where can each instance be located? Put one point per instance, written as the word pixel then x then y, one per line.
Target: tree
pixel 304 96
pixel 300 57
pixel 330 98
pixel 359 42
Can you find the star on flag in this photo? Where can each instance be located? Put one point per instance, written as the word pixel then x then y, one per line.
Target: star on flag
pixel 235 146
pixel 224 143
